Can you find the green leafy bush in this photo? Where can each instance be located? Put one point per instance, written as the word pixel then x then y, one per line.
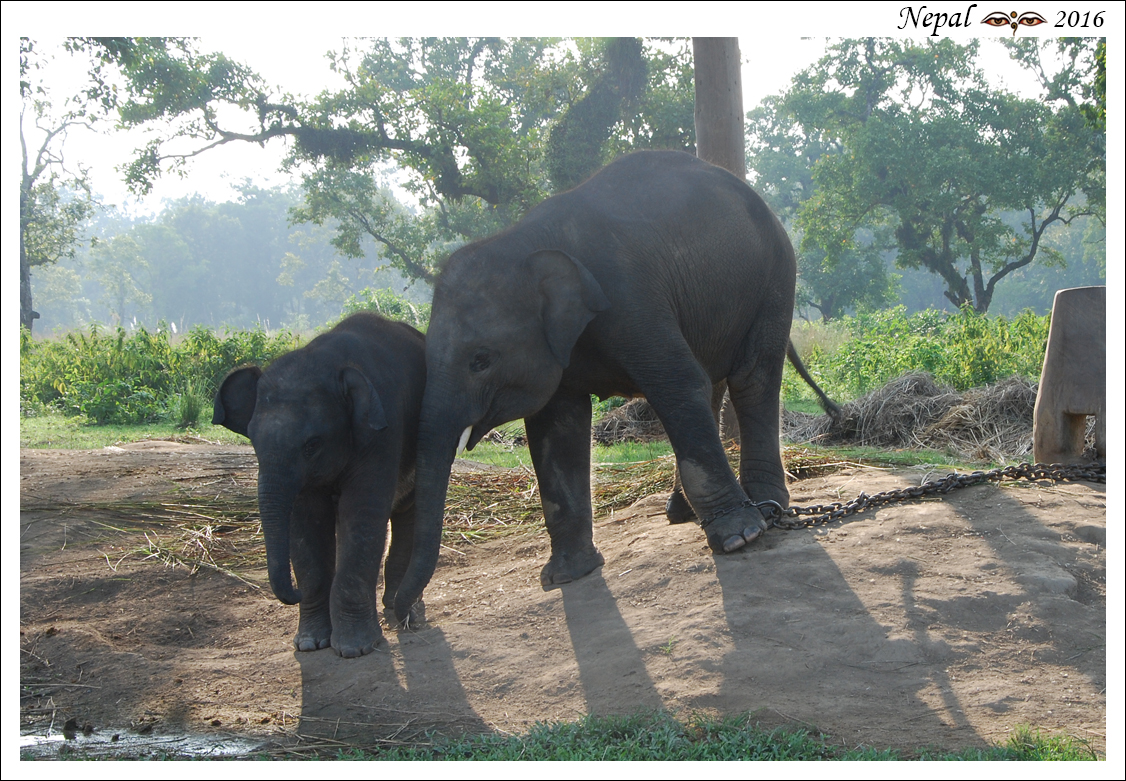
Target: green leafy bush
pixel 387 303
pixel 112 376
pixel 964 350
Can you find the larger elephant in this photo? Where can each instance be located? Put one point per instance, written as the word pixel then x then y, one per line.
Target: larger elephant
pixel 661 276
pixel 334 425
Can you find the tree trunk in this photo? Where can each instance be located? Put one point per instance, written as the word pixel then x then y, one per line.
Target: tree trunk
pixel 719 104
pixel 27 314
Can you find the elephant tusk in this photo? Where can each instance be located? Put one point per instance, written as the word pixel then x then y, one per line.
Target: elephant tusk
pixel 464 438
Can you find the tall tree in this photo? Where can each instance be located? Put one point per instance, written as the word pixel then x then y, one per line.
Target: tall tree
pixel 466 119
pixel 926 146
pixel 780 160
pixel 55 200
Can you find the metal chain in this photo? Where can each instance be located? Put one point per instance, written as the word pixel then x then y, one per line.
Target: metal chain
pixel 826 513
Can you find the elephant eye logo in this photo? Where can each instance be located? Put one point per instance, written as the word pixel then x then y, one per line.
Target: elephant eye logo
pixel 1012 19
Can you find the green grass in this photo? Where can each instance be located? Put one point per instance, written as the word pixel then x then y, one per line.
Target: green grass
pixel 510 456
pixel 54 430
pixel 653 737
pixel 662 737
pixel 874 456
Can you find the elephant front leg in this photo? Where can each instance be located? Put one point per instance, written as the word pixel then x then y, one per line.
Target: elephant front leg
pixel 559 442
pixel 313 553
pixel 361 537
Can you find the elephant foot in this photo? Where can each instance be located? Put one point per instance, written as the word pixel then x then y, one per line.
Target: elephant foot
pixel 314 632
pixel 415 618
pixel 566 567
pixel 309 642
pixel 357 642
pixel 677 508
pixel 732 529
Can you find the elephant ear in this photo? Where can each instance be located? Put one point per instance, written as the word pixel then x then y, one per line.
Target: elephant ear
pixel 570 296
pixel 368 416
pixel 235 399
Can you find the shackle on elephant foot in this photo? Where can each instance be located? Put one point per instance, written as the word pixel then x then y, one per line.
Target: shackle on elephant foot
pixel 731 529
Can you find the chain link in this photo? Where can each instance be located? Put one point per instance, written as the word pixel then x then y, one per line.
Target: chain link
pixel 827 513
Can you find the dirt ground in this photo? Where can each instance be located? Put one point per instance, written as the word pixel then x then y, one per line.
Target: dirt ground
pixel 940 623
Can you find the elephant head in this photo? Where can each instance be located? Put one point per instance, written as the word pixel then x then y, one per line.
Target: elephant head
pixel 505 320
pixel 305 422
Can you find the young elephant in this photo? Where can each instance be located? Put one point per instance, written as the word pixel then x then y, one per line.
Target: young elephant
pixel 334 426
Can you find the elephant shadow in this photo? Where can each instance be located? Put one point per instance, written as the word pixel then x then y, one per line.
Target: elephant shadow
pixel 405 688
pixel 605 650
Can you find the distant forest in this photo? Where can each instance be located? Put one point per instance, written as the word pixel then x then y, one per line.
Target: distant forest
pixel 242 263
pixel 235 264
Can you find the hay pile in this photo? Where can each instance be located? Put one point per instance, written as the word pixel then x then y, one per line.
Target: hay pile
pixel 990 423
pixel 632 422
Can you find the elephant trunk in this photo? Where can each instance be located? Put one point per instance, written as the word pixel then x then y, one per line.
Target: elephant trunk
pixel 437 445
pixel 276 496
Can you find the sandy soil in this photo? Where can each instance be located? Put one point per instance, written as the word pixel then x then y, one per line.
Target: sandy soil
pixel 940 623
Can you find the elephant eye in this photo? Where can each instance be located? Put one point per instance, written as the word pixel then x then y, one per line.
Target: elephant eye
pixel 310 448
pixel 481 361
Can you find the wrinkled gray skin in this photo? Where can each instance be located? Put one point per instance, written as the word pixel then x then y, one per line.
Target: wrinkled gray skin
pixel 334 425
pixel 661 276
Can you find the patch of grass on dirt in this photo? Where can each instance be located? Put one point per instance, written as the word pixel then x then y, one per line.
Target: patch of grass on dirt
pixel 663 737
pixel 54 430
pixel 871 456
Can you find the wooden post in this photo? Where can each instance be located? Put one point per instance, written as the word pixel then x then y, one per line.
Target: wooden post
pixel 719 104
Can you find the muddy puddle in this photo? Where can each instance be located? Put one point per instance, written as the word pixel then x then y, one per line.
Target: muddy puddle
pixel 126 744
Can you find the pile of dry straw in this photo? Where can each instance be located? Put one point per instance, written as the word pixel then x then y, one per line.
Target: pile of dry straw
pixel 990 423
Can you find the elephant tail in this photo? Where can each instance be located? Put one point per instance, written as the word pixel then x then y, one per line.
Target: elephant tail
pixel 827 404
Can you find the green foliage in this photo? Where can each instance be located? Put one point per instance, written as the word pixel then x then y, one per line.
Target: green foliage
pixel 914 138
pixel 190 406
pixel 575 143
pixel 111 376
pixel 53 216
pixel 475 123
pixel 235 263
pixel 390 305
pixel 964 350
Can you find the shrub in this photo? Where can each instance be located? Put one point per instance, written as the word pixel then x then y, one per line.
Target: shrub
pixel 111 376
pixel 964 350
pixel 387 303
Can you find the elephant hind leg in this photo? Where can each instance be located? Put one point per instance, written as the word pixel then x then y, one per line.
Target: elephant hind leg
pixel 760 455
pixel 708 483
pixel 398 557
pixel 677 508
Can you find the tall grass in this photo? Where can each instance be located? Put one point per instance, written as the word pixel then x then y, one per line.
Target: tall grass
pixel 964 350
